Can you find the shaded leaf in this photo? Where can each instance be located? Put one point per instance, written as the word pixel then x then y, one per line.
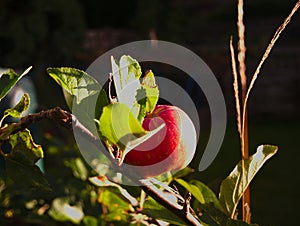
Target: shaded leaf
pixel 147 95
pixel 25 173
pixel 184 172
pixel 62 211
pixel 157 211
pixel 78 167
pixel 235 184
pixel 118 207
pixel 8 80
pixel 210 205
pixel 152 92
pixel 90 221
pixel 208 195
pixel 141 98
pixel 238 223
pixel 23 142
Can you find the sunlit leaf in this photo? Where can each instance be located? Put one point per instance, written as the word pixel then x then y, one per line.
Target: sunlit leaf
pixel 21 107
pixel 139 98
pixel 125 73
pixel 62 211
pixel 210 205
pixel 194 190
pixel 126 80
pixel 76 82
pixel 236 183
pixel 8 80
pixel 134 143
pixel 119 126
pixel 102 181
pixel 83 90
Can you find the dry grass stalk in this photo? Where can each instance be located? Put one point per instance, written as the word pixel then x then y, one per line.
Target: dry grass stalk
pixel 241 47
pixel 265 56
pixel 245 94
pixel 236 88
pixel 244 130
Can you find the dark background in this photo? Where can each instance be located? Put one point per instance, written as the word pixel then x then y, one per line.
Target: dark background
pixel 74 33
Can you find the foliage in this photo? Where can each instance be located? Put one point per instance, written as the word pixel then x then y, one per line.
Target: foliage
pixel 91 199
pixel 37 30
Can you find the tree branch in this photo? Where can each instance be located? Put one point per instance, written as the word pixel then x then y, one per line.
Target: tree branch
pixel 69 121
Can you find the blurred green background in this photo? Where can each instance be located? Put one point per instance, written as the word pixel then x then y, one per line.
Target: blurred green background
pixel 75 32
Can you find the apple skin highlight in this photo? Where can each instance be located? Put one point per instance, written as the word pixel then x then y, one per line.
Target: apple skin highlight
pixel 170 149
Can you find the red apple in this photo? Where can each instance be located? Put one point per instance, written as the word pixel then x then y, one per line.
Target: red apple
pixel 170 149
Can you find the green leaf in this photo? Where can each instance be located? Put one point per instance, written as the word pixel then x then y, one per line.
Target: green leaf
pixel 126 80
pixel 157 211
pixel 20 161
pixel 84 91
pixel 17 111
pixel 184 172
pixel 102 181
pixel 78 167
pixel 207 203
pixel 210 205
pixel 118 125
pixel 152 92
pixel 194 190
pixel 140 98
pixel 8 80
pixel 90 221
pixel 147 95
pixel 76 82
pixel 23 142
pixel 208 195
pixel 128 71
pixel 118 207
pixel 131 144
pixel 24 172
pixel 235 184
pixel 62 211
